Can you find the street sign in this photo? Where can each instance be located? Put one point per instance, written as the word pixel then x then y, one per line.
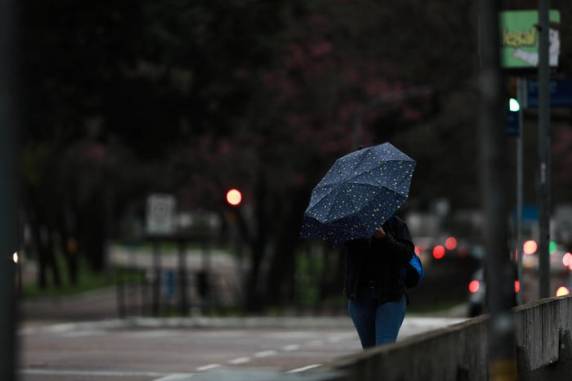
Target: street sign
pixel 160 214
pixel 520 36
pixel 560 93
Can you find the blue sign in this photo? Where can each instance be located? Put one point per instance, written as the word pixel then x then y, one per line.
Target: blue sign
pixel 560 93
pixel 512 126
pixel 530 213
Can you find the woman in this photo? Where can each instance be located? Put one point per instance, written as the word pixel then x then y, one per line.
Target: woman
pixel 374 284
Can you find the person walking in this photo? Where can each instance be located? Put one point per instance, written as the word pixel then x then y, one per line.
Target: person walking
pixel 375 282
pixel 361 191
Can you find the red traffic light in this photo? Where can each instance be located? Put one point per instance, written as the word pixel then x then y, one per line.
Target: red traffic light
pixel 233 197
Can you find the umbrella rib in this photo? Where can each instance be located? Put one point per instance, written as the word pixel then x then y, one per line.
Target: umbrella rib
pixel 371 170
pixel 337 197
pixel 317 201
pixel 363 157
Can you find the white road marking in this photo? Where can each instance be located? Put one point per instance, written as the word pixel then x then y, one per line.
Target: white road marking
pixel 83 333
pixel 239 360
pixel 304 368
pixel 95 373
pixel 153 334
pixel 208 367
pixel 315 342
pixel 291 347
pixel 175 377
pixel 265 354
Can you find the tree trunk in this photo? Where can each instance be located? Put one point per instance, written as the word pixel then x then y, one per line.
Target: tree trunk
pixel 259 243
pixel 280 282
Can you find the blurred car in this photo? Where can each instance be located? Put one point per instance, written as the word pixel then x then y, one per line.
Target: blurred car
pixel 477 288
pixel 477 294
pixel 560 278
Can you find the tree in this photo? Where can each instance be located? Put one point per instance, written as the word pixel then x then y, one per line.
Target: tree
pixel 195 96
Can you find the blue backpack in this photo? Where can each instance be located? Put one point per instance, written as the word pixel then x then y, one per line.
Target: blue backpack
pixel 413 272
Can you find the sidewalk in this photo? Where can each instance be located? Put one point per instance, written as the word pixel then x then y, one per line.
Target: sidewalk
pixel 92 305
pixel 102 305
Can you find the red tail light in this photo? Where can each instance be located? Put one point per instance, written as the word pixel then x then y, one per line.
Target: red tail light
pixel 474 286
pixel 451 243
pixel 438 252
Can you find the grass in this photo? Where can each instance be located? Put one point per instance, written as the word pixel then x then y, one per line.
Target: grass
pixel 87 280
pixel 171 248
pixel 436 308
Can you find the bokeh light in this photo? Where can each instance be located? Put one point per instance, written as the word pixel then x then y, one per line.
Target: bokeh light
pixel 234 197
pixel 474 286
pixel 513 105
pixel 552 247
pixel 438 251
pixel 562 291
pixel 567 259
pixel 451 243
pixel 530 247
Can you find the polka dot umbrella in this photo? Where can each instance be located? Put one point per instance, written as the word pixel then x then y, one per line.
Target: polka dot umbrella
pixel 358 194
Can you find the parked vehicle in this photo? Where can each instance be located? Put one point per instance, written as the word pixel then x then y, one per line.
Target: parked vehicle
pixel 527 287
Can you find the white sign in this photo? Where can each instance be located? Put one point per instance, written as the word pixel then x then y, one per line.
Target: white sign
pixel 161 214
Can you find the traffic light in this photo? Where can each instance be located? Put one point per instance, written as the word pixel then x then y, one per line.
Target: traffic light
pixel 234 197
pixel 513 105
pixel 512 125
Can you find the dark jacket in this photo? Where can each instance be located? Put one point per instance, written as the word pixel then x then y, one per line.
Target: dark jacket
pixel 379 260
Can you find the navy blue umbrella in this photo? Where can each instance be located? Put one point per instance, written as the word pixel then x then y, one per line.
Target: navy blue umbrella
pixel 358 194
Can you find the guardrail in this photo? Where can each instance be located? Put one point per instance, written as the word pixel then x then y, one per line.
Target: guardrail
pixel 543 332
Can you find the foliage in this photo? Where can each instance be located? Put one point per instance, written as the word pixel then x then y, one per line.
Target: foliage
pixel 192 97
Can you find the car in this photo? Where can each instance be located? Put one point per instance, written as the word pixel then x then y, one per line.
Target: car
pixel 527 286
pixel 477 289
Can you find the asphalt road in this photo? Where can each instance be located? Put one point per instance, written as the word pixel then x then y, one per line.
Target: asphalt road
pixel 159 352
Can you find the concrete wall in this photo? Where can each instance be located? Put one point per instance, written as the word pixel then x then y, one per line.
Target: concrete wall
pixel 544 350
pixel 543 335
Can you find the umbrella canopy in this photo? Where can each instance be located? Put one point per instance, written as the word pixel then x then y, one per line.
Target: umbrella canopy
pixel 358 194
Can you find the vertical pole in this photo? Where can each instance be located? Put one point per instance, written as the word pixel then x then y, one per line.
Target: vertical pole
pixel 182 275
pixel 8 189
pixel 544 149
pixel 120 293
pixel 205 276
pixel 519 186
pixel 156 303
pixel 500 275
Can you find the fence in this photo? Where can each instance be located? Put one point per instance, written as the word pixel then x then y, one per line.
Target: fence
pixel 543 342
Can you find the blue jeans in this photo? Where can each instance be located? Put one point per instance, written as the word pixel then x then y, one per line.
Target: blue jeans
pixel 376 323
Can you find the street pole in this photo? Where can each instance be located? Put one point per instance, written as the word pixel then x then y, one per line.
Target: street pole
pixel 499 273
pixel 544 150
pixel 520 91
pixel 8 189
pixel 156 302
pixel 182 276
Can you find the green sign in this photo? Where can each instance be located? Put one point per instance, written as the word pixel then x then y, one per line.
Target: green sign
pixel 519 39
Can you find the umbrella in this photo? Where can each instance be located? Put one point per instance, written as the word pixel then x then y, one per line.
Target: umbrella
pixel 358 194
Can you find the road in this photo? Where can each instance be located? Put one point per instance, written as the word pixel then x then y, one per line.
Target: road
pixel 154 351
